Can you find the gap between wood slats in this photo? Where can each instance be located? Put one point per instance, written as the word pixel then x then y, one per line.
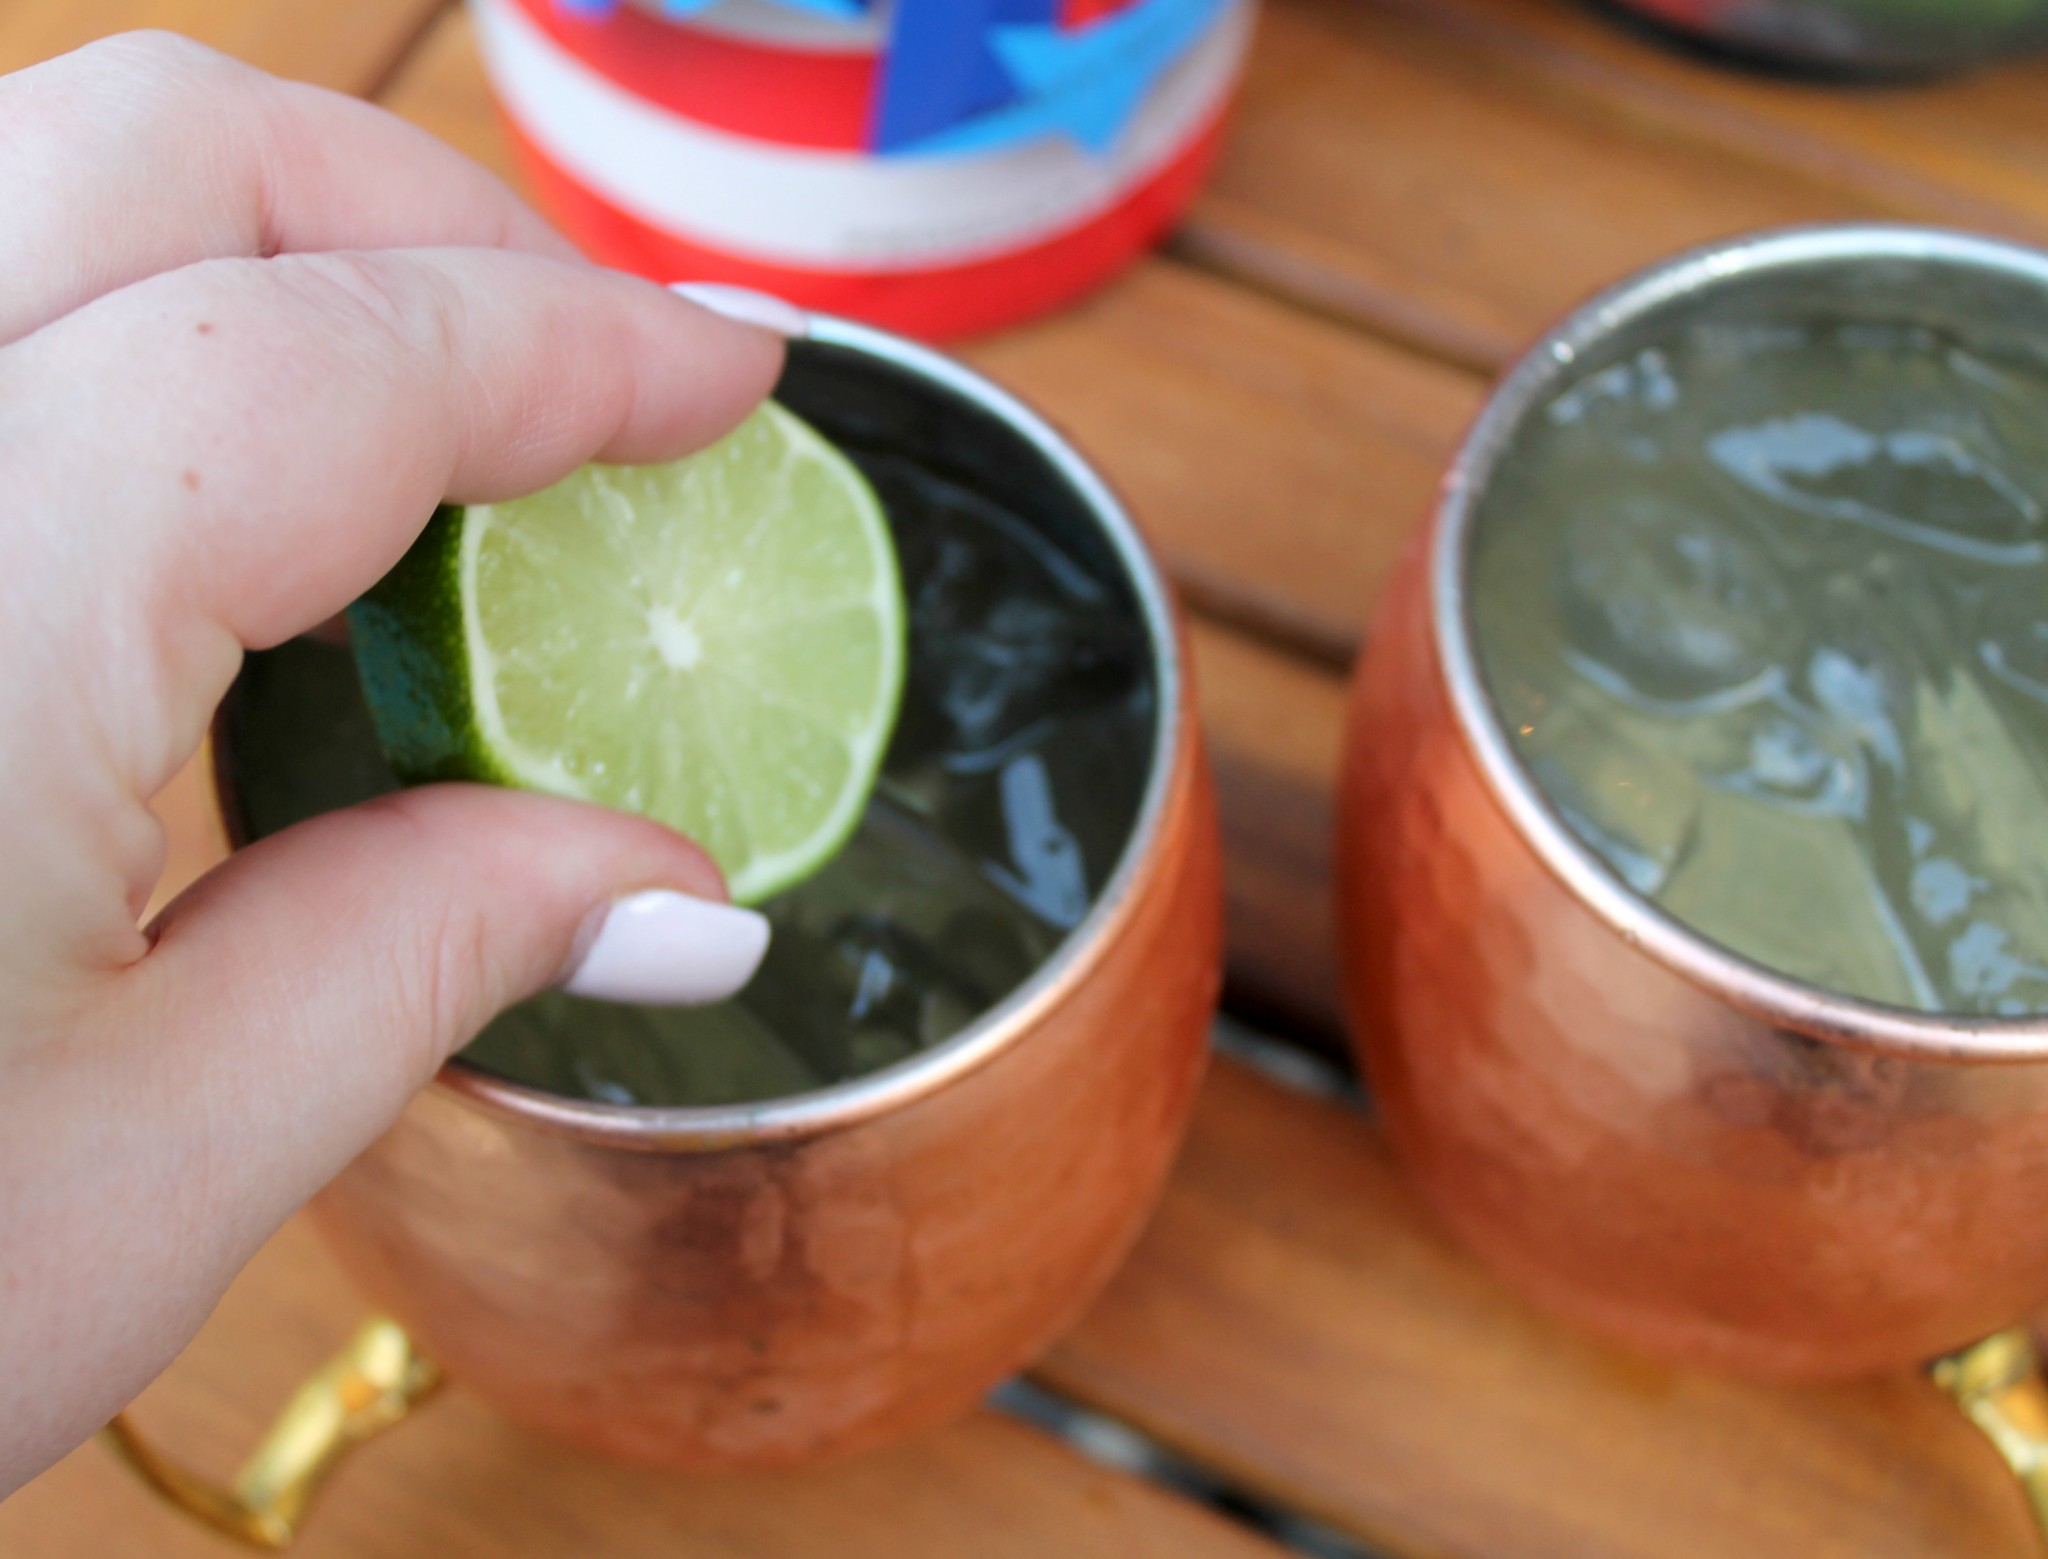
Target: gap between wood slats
pixel 1275 729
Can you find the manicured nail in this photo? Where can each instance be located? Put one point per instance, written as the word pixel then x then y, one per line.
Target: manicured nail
pixel 749 308
pixel 666 949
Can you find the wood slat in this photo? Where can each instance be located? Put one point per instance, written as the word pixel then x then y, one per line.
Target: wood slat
pixel 459 1483
pixel 1391 172
pixel 351 47
pixel 441 88
pixel 1275 726
pixel 1278 460
pixel 1971 149
pixel 1293 1318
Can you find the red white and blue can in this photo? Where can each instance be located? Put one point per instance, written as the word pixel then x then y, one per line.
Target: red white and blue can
pixel 938 167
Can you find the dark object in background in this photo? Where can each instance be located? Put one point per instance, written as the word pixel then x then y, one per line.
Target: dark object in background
pixel 1847 40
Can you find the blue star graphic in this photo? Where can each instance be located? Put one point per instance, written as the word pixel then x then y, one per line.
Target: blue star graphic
pixel 941 69
pixel 1085 84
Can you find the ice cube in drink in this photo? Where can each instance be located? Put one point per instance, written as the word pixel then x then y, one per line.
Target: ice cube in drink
pixel 1764 609
pixel 1015 777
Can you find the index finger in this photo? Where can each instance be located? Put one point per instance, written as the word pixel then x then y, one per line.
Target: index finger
pixel 225 455
pixel 147 152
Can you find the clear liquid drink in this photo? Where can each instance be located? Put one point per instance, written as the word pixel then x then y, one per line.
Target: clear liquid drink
pixel 1765 613
pixel 1010 790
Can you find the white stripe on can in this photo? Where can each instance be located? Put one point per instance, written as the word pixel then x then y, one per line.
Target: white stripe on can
pixel 838 211
pixel 765 22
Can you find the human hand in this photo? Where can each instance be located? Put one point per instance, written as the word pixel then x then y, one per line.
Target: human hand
pixel 251 334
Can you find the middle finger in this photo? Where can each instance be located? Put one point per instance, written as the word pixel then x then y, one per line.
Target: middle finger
pixel 148 152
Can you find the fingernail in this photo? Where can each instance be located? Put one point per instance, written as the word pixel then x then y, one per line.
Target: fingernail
pixel 749 308
pixel 666 949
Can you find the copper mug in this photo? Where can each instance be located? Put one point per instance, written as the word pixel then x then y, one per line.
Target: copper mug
pixel 1701 1158
pixel 767 1284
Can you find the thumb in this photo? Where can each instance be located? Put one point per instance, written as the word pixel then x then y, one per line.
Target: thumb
pixel 291 1003
pixel 304 990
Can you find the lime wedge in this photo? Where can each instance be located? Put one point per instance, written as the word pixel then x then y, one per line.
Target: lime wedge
pixel 718 643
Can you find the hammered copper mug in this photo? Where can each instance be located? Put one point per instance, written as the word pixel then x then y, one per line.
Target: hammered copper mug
pixel 767 1284
pixel 1703 1159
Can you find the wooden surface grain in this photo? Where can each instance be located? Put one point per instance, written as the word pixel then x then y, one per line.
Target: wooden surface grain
pixel 1279 461
pixel 1438 193
pixel 353 47
pixel 1455 173
pixel 1969 150
pixel 1413 188
pixel 459 1483
pixel 1295 1319
pixel 1275 724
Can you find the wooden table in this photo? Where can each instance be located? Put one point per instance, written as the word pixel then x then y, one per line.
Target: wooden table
pixel 1414 187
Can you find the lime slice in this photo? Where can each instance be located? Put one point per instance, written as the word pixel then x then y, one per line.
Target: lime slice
pixel 718 643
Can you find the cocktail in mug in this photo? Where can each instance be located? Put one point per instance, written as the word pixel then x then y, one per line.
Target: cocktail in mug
pixel 841 1208
pixel 1694 818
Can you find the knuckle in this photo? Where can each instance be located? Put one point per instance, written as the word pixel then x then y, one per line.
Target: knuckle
pixel 134 85
pixel 140 108
pixel 157 55
pixel 379 304
pixel 362 293
pixel 446 980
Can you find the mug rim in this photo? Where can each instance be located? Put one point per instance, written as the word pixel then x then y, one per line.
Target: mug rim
pixel 792 1117
pixel 1765 993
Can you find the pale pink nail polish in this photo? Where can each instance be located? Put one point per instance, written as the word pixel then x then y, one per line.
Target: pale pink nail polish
pixel 666 949
pixel 749 308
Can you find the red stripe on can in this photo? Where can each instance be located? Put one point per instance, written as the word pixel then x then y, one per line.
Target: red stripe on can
pixel 1078 13
pixel 785 96
pixel 935 305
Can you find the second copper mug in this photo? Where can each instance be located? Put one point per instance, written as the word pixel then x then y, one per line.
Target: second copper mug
pixel 765 1284
pixel 1702 1158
